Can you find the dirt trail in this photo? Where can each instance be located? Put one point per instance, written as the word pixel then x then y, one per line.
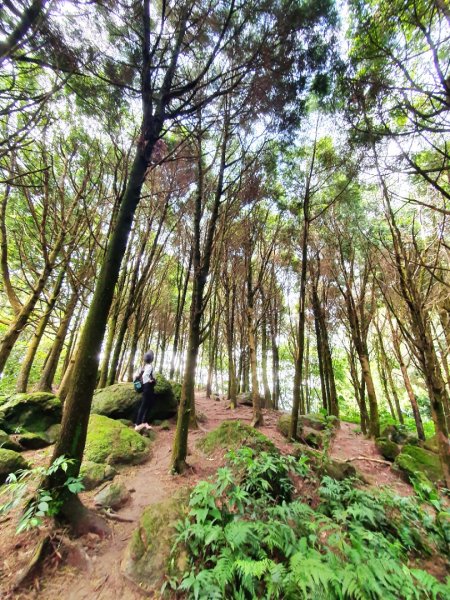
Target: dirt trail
pixel 351 444
pixel 151 482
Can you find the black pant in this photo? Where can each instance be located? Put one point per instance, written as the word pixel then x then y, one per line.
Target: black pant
pixel 146 402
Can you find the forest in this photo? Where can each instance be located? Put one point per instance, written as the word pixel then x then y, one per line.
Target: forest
pixel 250 199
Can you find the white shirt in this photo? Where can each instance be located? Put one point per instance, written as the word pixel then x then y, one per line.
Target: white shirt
pixel 147 375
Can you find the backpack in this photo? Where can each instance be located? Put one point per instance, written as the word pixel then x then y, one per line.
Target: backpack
pixel 138 384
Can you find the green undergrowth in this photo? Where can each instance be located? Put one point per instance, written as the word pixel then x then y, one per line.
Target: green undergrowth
pixel 234 434
pixel 351 415
pixel 248 535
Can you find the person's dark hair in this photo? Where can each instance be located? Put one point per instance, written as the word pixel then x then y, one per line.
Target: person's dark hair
pixel 148 357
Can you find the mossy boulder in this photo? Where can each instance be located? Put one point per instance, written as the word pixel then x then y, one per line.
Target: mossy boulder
pixel 443 520
pixel 30 412
pixel 176 389
pixel 414 459
pixel 315 457
pixel 147 559
pixel 314 439
pixel 121 401
pixel 94 474
pixel 8 442
pixel 245 399
pixel 388 450
pixel 10 461
pixel 431 444
pixel 339 470
pixel 33 441
pixel 284 425
pixel 114 495
pixel 234 434
pixel 111 442
pixel 313 421
pixel 53 432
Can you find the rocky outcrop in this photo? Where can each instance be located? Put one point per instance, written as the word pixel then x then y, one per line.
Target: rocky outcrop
pixel 147 560
pixel 121 401
pixel 413 459
pixel 10 462
pixel 30 412
pixel 114 495
pixel 388 449
pixel 94 474
pixel 110 442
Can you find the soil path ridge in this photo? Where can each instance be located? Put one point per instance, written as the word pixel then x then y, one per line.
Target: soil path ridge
pixel 350 444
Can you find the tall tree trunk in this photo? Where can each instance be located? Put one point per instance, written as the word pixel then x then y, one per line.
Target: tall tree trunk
pixel 407 382
pixel 27 363
pixel 186 409
pixel 48 373
pixel 181 301
pixel 264 349
pixel 298 363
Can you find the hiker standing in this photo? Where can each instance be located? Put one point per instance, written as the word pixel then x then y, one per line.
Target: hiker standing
pixel 148 381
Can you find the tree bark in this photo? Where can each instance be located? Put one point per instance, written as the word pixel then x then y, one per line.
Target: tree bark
pixel 27 363
pixel 48 373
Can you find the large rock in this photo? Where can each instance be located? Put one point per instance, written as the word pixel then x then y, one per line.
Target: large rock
pixel 31 412
pixel 314 421
pixel 398 435
pixel 121 401
pixel 284 424
pixel 431 444
pixel 413 459
pixel 231 435
pixel 111 442
pixel 314 439
pixel 114 495
pixel 33 441
pixel 8 442
pixel 147 560
pixel 10 461
pixel 388 449
pixel 339 470
pixel 94 474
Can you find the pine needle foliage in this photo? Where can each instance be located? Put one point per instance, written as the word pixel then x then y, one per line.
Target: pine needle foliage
pixel 247 537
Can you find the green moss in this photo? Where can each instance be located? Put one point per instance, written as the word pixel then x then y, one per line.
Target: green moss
pixel 176 389
pixel 121 401
pixel 314 439
pixel 147 557
pixel 414 459
pixel 93 474
pixel 109 441
pixel 284 425
pixel 10 461
pixel 31 412
pixel 339 470
pixel 114 496
pixel 8 442
pixel 431 444
pixel 388 450
pixel 234 434
pixel 33 441
pixel 314 421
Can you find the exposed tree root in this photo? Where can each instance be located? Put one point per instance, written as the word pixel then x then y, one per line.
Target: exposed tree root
pixel 28 571
pixel 82 520
pixel 376 460
pixel 115 517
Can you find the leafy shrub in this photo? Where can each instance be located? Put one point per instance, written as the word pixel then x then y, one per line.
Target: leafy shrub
pixel 22 489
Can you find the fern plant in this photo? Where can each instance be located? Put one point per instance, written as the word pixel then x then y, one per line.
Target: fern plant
pixel 246 537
